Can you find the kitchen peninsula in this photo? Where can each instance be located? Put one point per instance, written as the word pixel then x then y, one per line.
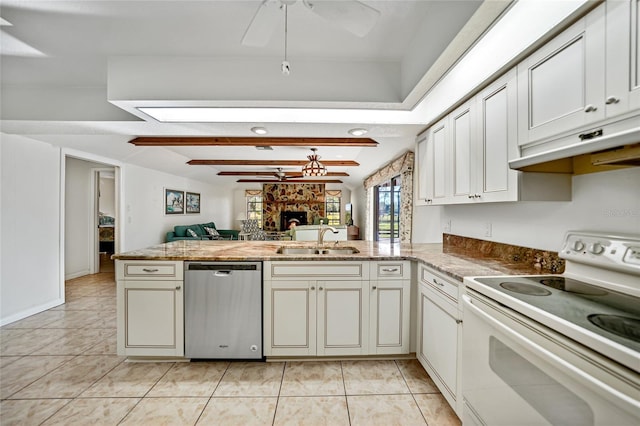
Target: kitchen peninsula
pixel 380 300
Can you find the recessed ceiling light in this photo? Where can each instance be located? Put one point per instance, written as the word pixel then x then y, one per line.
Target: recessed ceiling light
pixel 259 130
pixel 358 132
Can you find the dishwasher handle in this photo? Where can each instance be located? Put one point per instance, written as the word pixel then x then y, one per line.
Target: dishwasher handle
pixel 226 273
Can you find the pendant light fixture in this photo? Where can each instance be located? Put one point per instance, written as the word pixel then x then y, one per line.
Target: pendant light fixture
pixel 314 167
pixel 285 67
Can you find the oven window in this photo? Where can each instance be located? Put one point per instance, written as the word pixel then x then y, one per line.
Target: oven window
pixel 552 400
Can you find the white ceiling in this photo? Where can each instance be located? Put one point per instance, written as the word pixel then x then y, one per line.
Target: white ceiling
pixel 75 72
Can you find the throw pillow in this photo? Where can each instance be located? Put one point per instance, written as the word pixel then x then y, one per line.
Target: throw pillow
pixel 211 231
pixel 192 233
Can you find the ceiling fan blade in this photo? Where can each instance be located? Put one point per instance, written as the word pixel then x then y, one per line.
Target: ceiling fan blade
pixel 354 16
pixel 263 24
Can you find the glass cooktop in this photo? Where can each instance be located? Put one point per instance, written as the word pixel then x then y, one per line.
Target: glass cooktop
pixel 613 315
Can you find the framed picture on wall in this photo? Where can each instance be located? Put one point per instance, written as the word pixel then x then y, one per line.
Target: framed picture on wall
pixel 173 201
pixel 193 202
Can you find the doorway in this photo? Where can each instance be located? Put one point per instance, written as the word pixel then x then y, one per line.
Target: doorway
pixel 90 216
pixel 387 214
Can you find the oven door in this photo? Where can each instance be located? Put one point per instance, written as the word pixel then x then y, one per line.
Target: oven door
pixel 518 372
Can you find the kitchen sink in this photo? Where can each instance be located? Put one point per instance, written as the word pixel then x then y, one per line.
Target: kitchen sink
pixel 315 250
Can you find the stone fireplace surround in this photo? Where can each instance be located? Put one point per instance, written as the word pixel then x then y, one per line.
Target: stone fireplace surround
pixel 302 198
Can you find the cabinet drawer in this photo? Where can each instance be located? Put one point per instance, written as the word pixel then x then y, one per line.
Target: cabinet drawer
pixel 442 285
pixel 317 270
pixel 390 270
pixel 141 270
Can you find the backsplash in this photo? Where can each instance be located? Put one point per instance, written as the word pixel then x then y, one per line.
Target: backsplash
pixel 534 260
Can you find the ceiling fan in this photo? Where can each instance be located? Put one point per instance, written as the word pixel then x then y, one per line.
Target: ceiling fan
pixel 354 16
pixel 282 176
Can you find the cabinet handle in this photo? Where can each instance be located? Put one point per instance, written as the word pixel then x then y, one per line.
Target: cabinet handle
pixel 313 288
pixel 476 195
pixel 374 287
pixel 150 269
pixel 590 108
pixel 389 269
pixel 458 321
pixel 440 284
pixel 320 288
pixel 428 200
pixel 591 135
pixel 470 196
pixel 178 287
pixel 612 100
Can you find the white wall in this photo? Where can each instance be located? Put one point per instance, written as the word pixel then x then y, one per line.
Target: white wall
pixel 30 279
pixel 145 223
pixel 605 201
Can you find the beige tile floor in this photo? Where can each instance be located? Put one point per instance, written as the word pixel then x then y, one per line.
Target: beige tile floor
pixel 60 367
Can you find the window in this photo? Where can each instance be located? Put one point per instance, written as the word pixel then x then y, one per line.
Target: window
pixel 387 220
pixel 254 205
pixel 332 207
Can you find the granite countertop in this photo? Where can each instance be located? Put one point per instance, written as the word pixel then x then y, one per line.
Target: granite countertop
pixel 455 262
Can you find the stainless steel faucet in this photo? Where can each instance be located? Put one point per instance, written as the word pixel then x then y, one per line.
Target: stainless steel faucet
pixel 323 230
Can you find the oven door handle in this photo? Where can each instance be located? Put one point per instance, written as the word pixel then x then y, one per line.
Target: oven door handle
pixel 564 366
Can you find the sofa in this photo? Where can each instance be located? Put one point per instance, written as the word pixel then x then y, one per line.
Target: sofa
pixel 180 232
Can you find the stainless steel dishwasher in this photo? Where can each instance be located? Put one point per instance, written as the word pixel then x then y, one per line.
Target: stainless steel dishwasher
pixel 223 310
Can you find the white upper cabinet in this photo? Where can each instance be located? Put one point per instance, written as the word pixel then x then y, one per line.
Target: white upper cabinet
pixel 584 83
pixel 497 141
pixel 463 160
pixel 622 57
pixel 561 85
pixel 431 185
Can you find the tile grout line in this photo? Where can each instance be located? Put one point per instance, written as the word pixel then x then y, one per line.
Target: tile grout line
pixel 344 387
pixel 213 392
pixel 275 412
pixel 412 393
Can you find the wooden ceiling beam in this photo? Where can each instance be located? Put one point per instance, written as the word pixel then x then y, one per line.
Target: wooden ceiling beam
pixel 274 172
pixel 250 141
pixel 274 163
pixel 289 181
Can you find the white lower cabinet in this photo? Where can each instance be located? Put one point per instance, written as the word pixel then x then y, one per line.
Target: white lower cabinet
pixel 308 318
pixel 333 309
pixel 342 318
pixel 440 334
pixel 389 310
pixel 150 309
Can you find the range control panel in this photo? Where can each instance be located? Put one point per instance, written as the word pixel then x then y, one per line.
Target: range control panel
pixel 618 252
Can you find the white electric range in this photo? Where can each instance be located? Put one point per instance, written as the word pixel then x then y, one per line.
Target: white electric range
pixel 557 349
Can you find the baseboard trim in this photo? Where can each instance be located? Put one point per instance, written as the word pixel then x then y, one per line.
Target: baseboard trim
pixel 31 311
pixel 76 275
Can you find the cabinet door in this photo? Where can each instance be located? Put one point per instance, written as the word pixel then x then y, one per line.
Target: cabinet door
pixel 389 317
pixel 463 137
pixel 436 154
pixel 623 57
pixel 438 343
pixel 421 181
pixel 289 318
pixel 342 317
pixel 561 86
pixel 153 320
pixel 497 141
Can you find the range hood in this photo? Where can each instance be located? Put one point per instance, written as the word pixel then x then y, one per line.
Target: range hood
pixel 617 149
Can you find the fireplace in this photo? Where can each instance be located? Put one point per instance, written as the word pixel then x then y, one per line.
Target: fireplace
pixel 285 217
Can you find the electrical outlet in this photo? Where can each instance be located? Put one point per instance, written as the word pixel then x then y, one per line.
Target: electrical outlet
pixel 447 226
pixel 487 229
